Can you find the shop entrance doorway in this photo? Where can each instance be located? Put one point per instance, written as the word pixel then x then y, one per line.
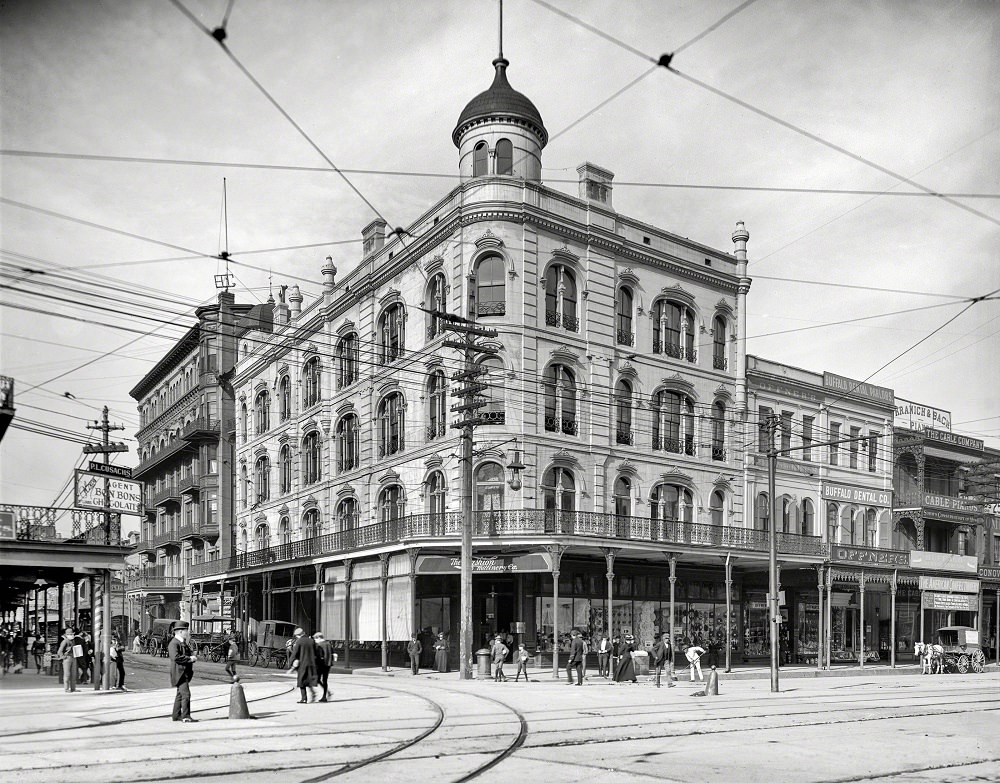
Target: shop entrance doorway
pixel 492 608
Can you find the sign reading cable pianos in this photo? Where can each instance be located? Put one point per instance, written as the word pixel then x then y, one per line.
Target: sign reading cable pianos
pixel 485 564
pixel 869 556
pixel 863 496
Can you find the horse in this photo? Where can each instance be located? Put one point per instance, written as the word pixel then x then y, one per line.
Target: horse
pixel 931 657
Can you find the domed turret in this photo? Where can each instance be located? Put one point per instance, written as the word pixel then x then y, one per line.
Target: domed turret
pixel 500 132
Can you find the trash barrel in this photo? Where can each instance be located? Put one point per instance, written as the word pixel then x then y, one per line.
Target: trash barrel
pixel 641 661
pixel 483 658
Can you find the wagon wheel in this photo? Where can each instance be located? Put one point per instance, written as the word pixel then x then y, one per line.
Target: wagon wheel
pixel 251 649
pixel 978 661
pixel 279 659
pixel 962 664
pixel 216 655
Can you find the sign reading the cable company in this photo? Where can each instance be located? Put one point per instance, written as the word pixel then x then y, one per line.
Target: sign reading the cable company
pixel 485 564
pixel 862 496
pixel 858 389
pixel 954 440
pixel 869 556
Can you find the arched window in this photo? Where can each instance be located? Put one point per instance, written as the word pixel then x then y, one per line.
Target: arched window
pixel 436 494
pixel 347 360
pixel 262 416
pixel 851 528
pixel 284 531
pixel 480 159
pixel 559 386
pixel 437 401
pixel 623 413
pixel 871 528
pixel 244 487
pixel 262 479
pixel 717 508
pixel 347 514
pixel 623 309
pixel 391 503
pixel 719 361
pixel 348 443
pixel 673 422
pixel 719 431
pixel 808 523
pixel 494 411
pixel 559 490
pixel 671 503
pixel 787 513
pixel 310 524
pixel 311 383
pixel 436 303
pixel 390 424
pixel 285 470
pixel 762 519
pixel 832 526
pixel 673 330
pixel 311 456
pixel 262 537
pixel 906 481
pixel 244 423
pixel 505 157
pixel 391 334
pixel 244 542
pixel 623 497
pixel 560 298
pixel 489 487
pixel 285 398
pixel 490 286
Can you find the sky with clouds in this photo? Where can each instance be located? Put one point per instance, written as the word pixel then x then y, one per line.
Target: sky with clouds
pixel 909 86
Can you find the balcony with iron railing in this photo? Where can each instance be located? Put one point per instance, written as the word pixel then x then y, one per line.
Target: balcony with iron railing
pixel 567 426
pixel 436 429
pixel 491 308
pixel 491 417
pixel 344 464
pixel 154 579
pixel 390 446
pixel 718 454
pixel 586 527
pixel 201 427
pixel 720 363
pixel 189 484
pixel 168 494
pixel 674 446
pixel 164 455
pixel 346 379
pixel 675 351
pixel 626 337
pixel 568 322
pixel 199 530
pixel 624 437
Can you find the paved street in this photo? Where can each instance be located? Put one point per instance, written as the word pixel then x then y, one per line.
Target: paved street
pixel 845 728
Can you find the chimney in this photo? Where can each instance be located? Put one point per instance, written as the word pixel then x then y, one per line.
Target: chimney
pixel 281 309
pixel 374 237
pixel 329 274
pixel 595 184
pixel 295 300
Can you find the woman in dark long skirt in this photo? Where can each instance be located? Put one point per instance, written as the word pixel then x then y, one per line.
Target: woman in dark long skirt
pixel 441 654
pixel 625 670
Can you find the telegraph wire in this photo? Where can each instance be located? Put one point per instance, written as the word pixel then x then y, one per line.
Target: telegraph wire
pixel 857 287
pixel 854 320
pixel 712 27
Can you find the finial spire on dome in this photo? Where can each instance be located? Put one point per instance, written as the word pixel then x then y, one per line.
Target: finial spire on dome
pixel 500 54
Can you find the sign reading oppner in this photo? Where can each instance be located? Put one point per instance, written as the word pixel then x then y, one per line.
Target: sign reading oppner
pixel 102 493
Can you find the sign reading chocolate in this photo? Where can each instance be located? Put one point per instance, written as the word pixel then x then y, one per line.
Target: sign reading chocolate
pixel 914 416
pixel 864 496
pixel 847 386
pixel 869 556
pixel 955 440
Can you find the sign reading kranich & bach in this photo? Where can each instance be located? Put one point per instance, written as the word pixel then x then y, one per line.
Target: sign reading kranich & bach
pixel 914 416
pixel 843 554
pixel 104 493
pixel 862 496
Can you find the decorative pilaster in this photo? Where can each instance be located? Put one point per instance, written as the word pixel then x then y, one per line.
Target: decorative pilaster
pixel 556 552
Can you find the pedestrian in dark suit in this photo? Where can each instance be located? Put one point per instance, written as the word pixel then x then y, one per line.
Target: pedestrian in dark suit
pixel 661 652
pixel 324 660
pixel 603 656
pixel 182 659
pixel 414 649
pixel 575 659
pixel 303 660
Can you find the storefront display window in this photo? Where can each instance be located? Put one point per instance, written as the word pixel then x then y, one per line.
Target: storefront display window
pixel 756 640
pixel 807 628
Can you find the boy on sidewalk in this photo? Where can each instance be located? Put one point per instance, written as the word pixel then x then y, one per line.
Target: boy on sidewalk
pixel 522 663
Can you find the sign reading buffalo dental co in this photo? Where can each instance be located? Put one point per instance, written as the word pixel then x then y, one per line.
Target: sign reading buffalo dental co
pixel 914 416
pixel 950 602
pixel 869 391
pixel 955 440
pixel 863 496
pixel 947 584
pixel 485 564
pixel 869 556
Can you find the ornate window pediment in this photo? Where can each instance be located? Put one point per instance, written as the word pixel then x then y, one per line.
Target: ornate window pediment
pixel 389 477
pixel 627 277
pixel 675 476
pixel 490 241
pixel 345 408
pixel 677 383
pixel 346 490
pixel 432 265
pixel 626 370
pixel 723 482
pixel 628 468
pixel 722 392
pixel 565 354
pixel 564 457
pixel 309 426
pixel 310 502
pixel 346 327
pixel 390 297
pixel 678 293
pixel 565 255
pixel 433 462
pixel 722 307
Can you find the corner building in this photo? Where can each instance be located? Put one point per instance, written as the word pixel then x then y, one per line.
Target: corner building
pixel 617 376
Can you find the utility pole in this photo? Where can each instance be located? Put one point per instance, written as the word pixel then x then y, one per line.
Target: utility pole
pixel 101 620
pixel 471 393
pixel 770 426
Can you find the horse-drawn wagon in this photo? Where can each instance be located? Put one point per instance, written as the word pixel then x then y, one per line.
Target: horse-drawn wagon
pixel 274 638
pixel 957 650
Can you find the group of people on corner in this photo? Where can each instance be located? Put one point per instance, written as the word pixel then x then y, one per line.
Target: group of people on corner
pixel 311 659
pixel 76 652
pixel 415 649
